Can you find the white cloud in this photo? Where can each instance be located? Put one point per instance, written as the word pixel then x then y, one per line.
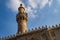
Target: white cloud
pixel 41 3
pixel 14 4
pixel 31 13
pixel 50 2
pixel 33 3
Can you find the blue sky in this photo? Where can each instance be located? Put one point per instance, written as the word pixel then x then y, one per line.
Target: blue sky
pixel 40 12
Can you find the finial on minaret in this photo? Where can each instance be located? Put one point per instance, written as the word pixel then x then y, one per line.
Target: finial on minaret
pixel 21 19
pixel 21 8
pixel 20 5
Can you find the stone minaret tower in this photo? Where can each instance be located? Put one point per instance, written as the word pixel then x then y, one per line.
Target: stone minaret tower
pixel 21 19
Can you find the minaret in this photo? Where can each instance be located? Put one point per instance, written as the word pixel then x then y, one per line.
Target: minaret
pixel 21 19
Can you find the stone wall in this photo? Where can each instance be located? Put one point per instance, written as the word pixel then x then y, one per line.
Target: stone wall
pixel 35 35
pixel 44 33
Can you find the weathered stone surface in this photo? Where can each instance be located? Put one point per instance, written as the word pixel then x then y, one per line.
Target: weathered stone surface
pixel 21 19
pixel 39 34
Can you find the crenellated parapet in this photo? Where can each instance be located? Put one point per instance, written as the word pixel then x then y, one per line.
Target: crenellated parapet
pixel 54 26
pixel 32 30
pixel 7 37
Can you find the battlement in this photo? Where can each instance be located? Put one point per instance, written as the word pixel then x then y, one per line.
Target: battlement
pixel 7 37
pixel 32 30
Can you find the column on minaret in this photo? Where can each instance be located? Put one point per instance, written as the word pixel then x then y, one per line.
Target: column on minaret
pixel 21 19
